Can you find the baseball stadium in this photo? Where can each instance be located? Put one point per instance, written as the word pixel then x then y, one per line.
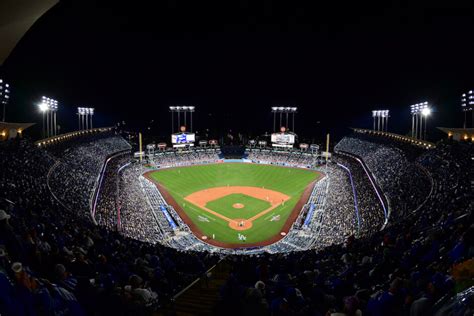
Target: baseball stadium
pixel 170 161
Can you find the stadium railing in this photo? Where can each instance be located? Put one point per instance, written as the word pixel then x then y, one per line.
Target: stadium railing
pixel 71 135
pixel 398 137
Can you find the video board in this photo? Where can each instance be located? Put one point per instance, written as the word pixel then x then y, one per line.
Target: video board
pixel 283 138
pixel 183 138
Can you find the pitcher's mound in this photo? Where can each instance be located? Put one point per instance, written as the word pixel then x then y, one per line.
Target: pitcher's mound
pixel 240 224
pixel 238 205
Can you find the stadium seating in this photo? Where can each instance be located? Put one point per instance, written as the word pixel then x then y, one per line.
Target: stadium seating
pixel 55 260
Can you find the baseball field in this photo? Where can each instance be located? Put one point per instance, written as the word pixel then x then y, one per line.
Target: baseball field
pixel 236 204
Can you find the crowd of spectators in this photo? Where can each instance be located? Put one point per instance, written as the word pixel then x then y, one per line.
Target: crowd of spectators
pixel 283 158
pixel 73 178
pixel 412 267
pixel 394 167
pixel 369 206
pixel 137 220
pixel 339 217
pixel 53 261
pixel 106 204
pixel 186 158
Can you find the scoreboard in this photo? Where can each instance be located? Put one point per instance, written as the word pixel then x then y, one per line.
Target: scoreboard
pixel 283 139
pixel 183 138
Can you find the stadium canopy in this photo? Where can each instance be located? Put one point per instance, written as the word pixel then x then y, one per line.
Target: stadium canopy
pixel 459 133
pixel 12 130
pixel 16 18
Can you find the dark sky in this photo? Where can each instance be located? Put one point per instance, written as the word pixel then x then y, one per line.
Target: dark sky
pixel 235 59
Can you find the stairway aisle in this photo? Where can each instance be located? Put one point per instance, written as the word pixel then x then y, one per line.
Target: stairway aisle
pixel 201 298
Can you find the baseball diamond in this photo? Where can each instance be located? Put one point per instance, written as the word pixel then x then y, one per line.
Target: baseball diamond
pixel 238 197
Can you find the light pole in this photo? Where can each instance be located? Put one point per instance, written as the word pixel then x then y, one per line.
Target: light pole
pixel 43 107
pixel 184 110
pixel 91 112
pixel 382 120
pixel 374 115
pixel 379 115
pixel 85 117
pixel 49 107
pixel 425 112
pixel 287 110
pixel 418 111
pixel 467 105
pixel 54 109
pixel 79 119
pixel 4 96
pixel 386 114
pixel 274 109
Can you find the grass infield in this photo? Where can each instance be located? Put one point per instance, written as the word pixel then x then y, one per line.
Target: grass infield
pixel 218 198
pixel 238 205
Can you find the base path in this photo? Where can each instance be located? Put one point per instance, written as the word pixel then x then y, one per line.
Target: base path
pixel 201 198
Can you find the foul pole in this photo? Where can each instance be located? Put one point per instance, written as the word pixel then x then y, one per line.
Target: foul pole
pixel 327 149
pixel 140 145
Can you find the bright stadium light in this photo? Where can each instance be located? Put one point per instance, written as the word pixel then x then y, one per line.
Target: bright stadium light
pixel 4 96
pixel 467 105
pixel 382 120
pixel 85 117
pixel 287 110
pixel 48 107
pixel 43 107
pixel 418 112
pixel 181 109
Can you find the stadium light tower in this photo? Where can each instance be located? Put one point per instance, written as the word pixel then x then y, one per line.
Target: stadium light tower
pixel 385 116
pixel 182 109
pixel 467 105
pixel 85 117
pixel 374 115
pixel 418 112
pixel 43 109
pixel 425 112
pixel 381 116
pixel 288 110
pixel 4 96
pixel 80 114
pixel 91 113
pixel 54 109
pixel 49 107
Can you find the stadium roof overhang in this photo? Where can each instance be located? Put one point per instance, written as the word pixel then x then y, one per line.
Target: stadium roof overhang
pixel 11 130
pixel 16 18
pixel 459 133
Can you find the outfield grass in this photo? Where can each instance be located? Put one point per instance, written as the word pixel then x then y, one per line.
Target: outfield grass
pixel 180 182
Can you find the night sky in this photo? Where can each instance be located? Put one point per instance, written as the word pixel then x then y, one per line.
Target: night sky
pixel 235 59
